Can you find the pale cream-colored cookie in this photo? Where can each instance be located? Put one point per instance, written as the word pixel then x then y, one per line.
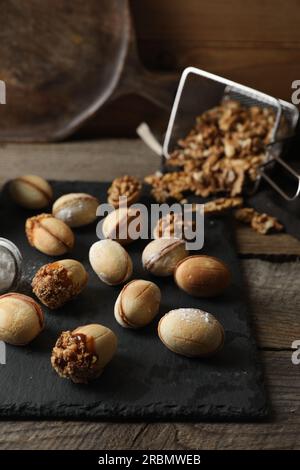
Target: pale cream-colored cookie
pixel 138 303
pixel 76 209
pixel 31 191
pixel 191 332
pixel 21 319
pixel 161 256
pixel 111 262
pixel 116 225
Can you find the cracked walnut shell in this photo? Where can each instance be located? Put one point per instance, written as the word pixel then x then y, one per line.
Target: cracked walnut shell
pixel 56 283
pixel 49 235
pixel 82 354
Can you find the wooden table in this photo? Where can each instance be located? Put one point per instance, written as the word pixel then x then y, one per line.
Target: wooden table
pixel 272 274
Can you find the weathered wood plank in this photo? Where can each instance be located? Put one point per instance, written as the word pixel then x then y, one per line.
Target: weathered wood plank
pixel 274 300
pixel 281 431
pixel 277 244
pixel 102 160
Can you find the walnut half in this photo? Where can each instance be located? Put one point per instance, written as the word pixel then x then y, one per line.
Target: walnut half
pixel 260 222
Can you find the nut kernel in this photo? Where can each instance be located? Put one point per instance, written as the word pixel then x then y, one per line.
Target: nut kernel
pixel 56 283
pixel 124 187
pixel 82 354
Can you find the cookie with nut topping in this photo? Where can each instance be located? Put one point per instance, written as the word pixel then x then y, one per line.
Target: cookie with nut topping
pixel 82 354
pixel 56 283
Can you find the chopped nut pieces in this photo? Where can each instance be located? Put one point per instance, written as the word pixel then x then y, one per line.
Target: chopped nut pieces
pixel 223 151
pixel 245 215
pixel 125 186
pixel 170 185
pixel 261 223
pixel 173 225
pixel 222 204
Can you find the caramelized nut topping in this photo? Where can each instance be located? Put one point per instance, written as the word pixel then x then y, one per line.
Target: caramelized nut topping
pixel 55 284
pixel 72 357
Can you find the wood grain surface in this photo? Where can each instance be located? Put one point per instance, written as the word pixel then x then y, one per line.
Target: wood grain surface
pixel 256 43
pixel 249 42
pixel 273 286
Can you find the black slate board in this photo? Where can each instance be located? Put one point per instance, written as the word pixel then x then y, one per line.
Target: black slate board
pixel 145 380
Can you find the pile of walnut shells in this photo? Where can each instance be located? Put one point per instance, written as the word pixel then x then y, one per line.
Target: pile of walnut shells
pixel 82 354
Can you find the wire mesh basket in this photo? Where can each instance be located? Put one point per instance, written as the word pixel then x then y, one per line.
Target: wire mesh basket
pixel 199 91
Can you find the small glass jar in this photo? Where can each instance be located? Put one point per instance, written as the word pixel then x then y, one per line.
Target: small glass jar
pixel 10 266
